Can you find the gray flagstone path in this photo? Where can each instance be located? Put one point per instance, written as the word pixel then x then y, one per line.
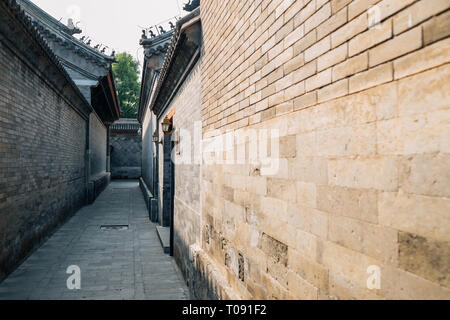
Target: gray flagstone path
pixel 115 264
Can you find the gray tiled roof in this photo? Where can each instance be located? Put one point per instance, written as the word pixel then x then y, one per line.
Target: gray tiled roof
pixel 126 126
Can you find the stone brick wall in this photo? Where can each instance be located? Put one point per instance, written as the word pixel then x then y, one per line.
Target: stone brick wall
pixel 363 116
pixel 42 159
pixel 97 145
pixel 126 155
pixel 148 148
pixel 99 178
pixel 187 209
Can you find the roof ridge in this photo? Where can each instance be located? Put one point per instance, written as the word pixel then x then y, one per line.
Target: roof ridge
pixel 44 13
pixel 171 51
pixel 64 33
pixel 28 25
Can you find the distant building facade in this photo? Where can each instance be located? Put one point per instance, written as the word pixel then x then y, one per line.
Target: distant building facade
pixel 324 149
pixel 53 126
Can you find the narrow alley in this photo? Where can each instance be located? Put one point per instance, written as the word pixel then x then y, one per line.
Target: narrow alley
pixel 115 264
pixel 229 150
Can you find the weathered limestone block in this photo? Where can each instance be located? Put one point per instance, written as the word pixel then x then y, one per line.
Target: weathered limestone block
pixel 405 285
pixel 432 97
pixel 282 189
pixel 351 264
pixel 426 175
pixel 371 173
pixel 415 134
pixel 421 215
pixel 362 112
pixel 309 169
pixel 307 194
pixel 308 219
pixel 372 240
pixel 300 288
pixel 429 259
pixel 309 270
pixel 353 203
pixel 342 288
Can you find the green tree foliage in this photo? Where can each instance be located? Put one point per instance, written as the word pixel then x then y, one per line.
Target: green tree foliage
pixel 126 76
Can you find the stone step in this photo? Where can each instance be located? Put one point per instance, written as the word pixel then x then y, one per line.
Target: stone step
pixel 164 238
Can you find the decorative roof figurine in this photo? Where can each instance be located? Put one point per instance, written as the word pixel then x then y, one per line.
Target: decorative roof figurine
pixel 151 33
pixel 73 28
pixel 191 6
pixel 162 29
pixel 144 36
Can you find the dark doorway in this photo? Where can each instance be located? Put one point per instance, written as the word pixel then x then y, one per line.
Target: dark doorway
pixel 168 187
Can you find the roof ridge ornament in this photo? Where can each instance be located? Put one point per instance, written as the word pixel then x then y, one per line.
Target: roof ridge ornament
pixel 191 6
pixel 73 29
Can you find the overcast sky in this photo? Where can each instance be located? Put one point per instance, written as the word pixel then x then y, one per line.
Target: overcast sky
pixel 114 23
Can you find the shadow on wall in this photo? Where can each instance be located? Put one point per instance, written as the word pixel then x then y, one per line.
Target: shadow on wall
pixel 201 285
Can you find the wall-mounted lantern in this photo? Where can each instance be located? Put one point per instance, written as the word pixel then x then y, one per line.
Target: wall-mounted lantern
pixel 166 126
pixel 156 138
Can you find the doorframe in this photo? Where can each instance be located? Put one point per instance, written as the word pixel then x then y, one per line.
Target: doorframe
pixel 168 139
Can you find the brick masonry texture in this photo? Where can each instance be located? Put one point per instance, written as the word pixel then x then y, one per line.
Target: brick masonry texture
pixel 148 148
pixel 363 113
pixel 42 159
pixel 97 144
pixel 187 213
pixel 187 209
pixel 126 156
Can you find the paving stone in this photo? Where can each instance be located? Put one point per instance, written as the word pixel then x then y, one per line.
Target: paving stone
pixel 115 265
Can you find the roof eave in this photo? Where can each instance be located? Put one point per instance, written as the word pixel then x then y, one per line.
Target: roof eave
pixel 62 80
pixel 157 101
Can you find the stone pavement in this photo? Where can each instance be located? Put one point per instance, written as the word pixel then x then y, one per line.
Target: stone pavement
pixel 115 264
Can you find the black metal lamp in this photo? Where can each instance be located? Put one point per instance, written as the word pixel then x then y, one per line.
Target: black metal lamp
pixel 166 126
pixel 156 138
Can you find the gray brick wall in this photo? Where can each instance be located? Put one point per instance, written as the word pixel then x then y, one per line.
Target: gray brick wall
pixel 42 168
pixel 97 144
pixel 148 148
pixel 126 156
pixel 187 206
